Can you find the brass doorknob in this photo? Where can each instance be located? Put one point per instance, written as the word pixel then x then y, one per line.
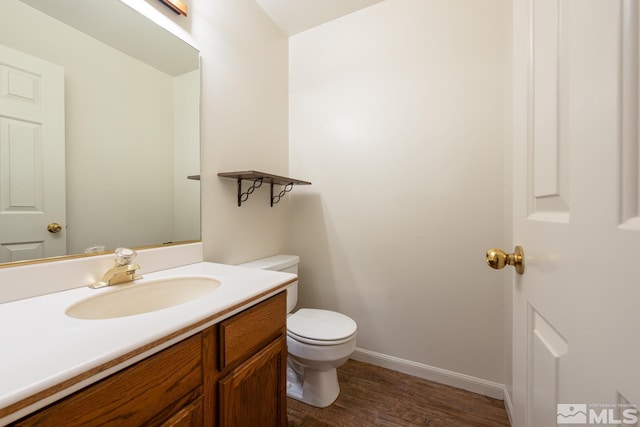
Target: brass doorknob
pixel 497 258
pixel 54 227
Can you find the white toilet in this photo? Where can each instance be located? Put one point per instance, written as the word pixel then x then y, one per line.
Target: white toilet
pixel 318 341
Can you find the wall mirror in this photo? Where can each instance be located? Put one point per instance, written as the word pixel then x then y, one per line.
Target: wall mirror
pixel 99 130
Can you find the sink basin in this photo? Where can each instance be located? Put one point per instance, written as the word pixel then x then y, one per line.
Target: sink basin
pixel 138 298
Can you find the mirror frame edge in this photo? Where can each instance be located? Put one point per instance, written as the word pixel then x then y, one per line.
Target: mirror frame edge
pixel 76 256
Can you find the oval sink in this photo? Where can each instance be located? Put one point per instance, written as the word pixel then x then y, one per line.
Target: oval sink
pixel 131 299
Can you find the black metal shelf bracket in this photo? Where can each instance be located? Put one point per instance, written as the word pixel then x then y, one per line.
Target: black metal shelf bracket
pixel 275 199
pixel 260 178
pixel 243 197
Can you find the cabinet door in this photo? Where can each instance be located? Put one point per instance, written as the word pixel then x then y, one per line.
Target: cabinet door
pixel 254 394
pixel 190 416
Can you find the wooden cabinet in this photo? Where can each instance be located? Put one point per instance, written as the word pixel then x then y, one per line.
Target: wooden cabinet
pixel 253 362
pixel 231 374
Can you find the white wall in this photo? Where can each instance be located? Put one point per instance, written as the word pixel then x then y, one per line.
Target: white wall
pixel 397 116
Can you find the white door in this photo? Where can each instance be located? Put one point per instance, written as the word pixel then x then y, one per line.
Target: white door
pixel 576 194
pixel 32 174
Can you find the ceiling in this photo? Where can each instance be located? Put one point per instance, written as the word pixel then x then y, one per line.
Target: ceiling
pixel 295 16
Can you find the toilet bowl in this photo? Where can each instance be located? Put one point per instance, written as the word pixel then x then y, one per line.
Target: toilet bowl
pixel 318 342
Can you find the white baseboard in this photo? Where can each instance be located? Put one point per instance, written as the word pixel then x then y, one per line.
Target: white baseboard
pixel 443 376
pixel 508 405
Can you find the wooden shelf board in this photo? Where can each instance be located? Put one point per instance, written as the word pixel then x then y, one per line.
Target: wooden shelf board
pixel 267 177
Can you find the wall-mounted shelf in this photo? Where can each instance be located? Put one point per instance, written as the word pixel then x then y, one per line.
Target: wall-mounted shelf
pixel 259 178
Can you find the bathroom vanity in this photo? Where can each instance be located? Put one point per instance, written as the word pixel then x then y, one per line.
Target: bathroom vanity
pixel 219 360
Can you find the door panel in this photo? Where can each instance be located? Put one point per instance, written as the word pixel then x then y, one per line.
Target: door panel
pixel 22 251
pixel 545 88
pixel 576 333
pixel 548 156
pixel 546 350
pixel 629 174
pixel 32 157
pixel 21 148
pixel 254 394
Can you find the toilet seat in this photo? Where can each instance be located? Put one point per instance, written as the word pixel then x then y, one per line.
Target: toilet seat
pixel 320 327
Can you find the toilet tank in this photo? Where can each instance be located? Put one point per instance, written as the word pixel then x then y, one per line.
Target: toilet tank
pixel 285 263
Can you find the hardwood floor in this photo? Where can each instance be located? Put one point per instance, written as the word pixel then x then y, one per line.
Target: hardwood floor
pixel 374 396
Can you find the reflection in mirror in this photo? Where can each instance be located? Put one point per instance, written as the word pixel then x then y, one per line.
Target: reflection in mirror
pixel 99 129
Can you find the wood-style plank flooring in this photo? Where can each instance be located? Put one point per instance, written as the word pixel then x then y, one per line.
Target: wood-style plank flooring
pixel 374 396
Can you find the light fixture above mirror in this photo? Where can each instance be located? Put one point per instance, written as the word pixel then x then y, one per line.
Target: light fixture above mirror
pixel 177 6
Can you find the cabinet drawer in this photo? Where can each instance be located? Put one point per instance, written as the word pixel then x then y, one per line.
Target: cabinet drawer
pixel 247 332
pixel 140 394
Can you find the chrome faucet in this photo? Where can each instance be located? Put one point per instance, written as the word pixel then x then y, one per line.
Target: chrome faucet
pixel 123 271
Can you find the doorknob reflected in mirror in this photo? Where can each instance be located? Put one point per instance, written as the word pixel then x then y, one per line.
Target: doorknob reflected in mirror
pixel 497 258
pixel 54 227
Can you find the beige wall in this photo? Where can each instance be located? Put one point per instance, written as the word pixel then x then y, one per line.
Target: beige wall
pixel 397 116
pixel 244 126
pixel 186 156
pixel 244 116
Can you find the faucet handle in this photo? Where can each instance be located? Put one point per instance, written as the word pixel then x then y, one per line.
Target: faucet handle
pixel 124 256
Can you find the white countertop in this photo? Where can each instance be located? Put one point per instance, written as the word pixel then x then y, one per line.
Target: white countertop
pixel 41 346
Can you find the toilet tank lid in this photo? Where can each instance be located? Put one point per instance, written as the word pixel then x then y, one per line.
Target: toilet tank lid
pixel 276 262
